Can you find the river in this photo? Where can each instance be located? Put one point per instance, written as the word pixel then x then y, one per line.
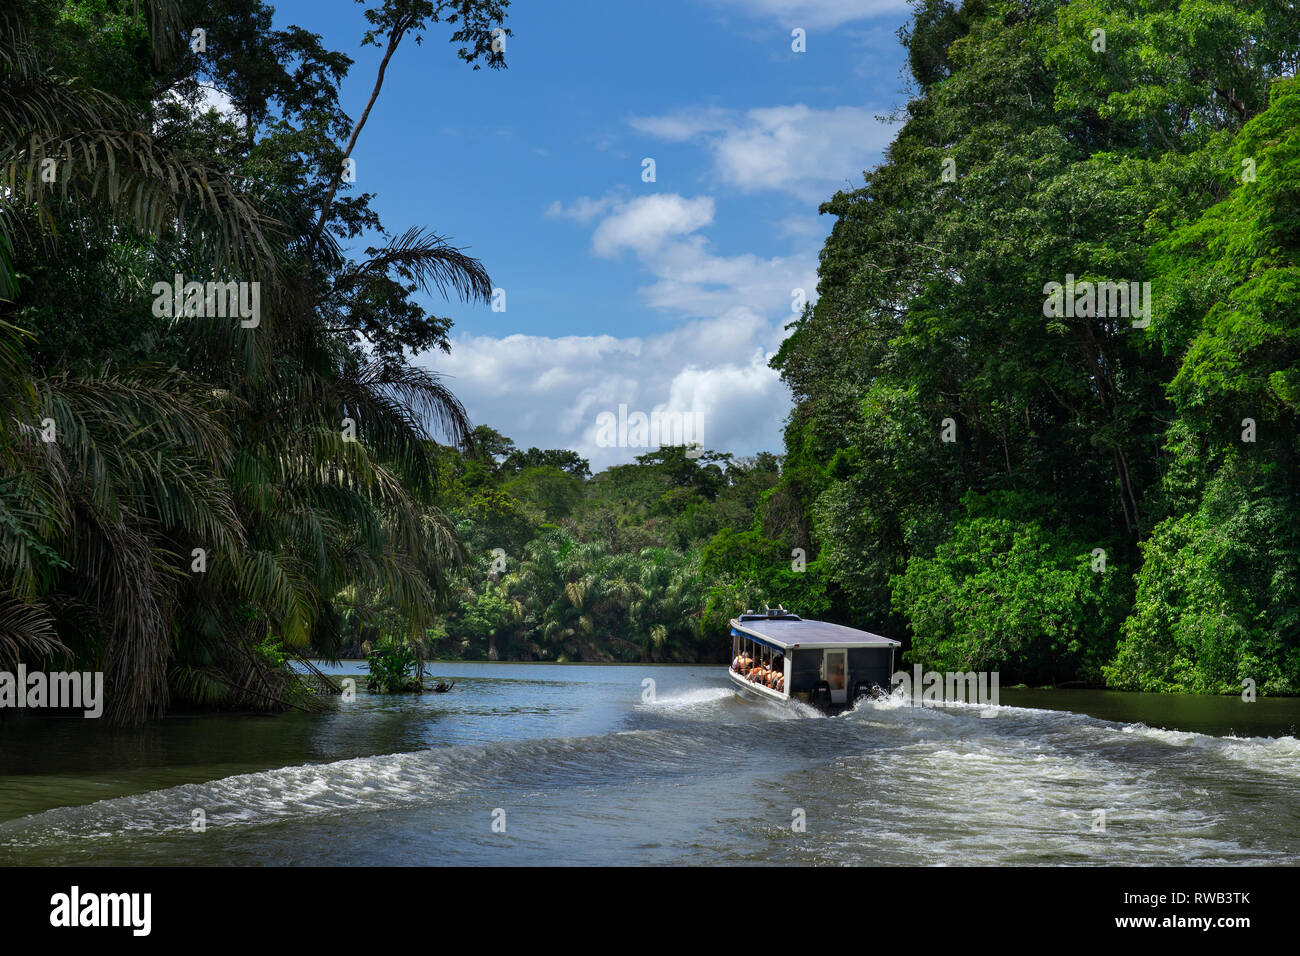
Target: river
pixel 572 764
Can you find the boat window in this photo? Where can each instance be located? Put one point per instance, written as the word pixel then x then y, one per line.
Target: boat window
pixel 835 669
pixel 759 663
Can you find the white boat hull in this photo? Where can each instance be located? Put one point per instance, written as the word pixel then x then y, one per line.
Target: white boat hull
pixel 758 691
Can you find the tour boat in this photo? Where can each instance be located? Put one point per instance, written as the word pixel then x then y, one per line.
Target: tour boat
pixel 778 656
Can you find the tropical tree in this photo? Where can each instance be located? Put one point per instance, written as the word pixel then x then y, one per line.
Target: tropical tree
pixel 184 498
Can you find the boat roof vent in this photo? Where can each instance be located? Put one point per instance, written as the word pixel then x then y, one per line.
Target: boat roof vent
pixel 777 613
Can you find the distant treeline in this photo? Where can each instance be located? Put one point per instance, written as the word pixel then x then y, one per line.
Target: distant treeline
pixel 642 562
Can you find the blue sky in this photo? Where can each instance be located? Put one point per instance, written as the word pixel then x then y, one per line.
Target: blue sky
pixel 668 295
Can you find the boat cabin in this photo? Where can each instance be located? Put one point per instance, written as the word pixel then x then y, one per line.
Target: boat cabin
pixel 777 655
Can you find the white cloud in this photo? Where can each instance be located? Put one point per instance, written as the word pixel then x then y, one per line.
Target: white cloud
pixel 644 224
pixel 806 152
pixel 686 124
pixel 549 391
pixel 208 98
pixel 694 282
pixel 815 14
pixel 212 98
pixel 662 231
pixel 583 209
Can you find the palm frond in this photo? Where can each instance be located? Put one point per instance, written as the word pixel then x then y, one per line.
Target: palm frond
pixel 429 261
pixel 26 633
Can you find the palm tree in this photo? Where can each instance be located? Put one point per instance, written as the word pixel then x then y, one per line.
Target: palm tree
pixel 123 465
pixel 181 519
pixel 64 144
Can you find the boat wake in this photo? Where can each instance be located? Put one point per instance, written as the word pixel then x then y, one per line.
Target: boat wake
pixel 386 782
pixel 702 698
pixel 885 782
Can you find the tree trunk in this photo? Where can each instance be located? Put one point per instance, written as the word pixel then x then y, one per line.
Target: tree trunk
pixel 394 39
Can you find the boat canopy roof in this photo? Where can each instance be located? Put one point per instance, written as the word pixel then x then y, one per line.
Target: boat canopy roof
pixel 787 633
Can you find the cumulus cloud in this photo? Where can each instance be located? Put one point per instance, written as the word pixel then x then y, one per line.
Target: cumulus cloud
pixel 694 282
pixel 806 152
pixel 551 391
pixel 212 98
pixel 662 231
pixel 642 225
pixel 207 98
